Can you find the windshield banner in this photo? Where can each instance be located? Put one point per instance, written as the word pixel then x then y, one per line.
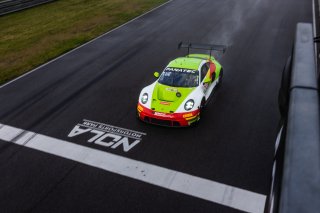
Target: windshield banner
pixel 181 70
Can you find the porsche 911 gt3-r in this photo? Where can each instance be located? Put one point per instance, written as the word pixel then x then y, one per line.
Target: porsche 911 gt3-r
pixel 179 94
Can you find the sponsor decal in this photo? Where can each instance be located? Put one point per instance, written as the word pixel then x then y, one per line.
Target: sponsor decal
pixel 165 103
pixel 163 114
pixel 171 89
pixel 187 115
pixel 140 108
pixel 106 135
pixel 205 87
pixel 181 70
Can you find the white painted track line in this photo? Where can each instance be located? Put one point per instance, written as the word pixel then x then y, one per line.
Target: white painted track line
pixel 55 59
pixel 166 178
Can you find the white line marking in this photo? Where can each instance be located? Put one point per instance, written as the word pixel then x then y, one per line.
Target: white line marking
pixel 9 133
pixel 166 178
pixel 55 59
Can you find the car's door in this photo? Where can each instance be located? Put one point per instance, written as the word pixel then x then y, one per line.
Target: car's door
pixel 205 77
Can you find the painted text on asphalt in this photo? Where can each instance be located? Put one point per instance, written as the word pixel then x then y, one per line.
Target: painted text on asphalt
pixel 107 135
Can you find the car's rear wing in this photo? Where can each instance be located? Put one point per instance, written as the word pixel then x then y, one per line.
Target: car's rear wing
pixel 210 47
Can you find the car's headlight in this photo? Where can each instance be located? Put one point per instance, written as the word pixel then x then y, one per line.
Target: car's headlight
pixel 189 105
pixel 144 98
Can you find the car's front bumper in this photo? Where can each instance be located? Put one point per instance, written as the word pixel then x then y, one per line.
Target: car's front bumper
pixel 167 119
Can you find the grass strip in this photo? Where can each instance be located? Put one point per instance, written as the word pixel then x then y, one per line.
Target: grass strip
pixel 32 37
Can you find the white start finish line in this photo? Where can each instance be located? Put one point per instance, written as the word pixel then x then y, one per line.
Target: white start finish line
pixel 166 178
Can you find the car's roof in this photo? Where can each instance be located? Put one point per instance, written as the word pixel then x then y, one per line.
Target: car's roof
pixel 186 63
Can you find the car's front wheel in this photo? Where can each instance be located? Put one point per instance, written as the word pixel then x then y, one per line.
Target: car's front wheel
pixel 202 105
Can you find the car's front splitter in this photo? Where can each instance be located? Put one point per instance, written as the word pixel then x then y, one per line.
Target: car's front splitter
pixel 167 119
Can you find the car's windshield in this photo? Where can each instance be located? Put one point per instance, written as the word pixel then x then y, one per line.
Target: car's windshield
pixel 177 77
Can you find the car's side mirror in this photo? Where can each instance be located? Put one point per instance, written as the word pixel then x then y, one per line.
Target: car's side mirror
pixel 156 74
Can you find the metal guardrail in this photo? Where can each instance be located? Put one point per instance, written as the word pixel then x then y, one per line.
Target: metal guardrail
pixel 10 6
pixel 296 174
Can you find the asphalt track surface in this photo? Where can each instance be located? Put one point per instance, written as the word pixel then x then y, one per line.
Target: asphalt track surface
pixel 233 144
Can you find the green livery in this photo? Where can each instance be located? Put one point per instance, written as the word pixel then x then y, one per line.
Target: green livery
pixel 186 62
pixel 164 98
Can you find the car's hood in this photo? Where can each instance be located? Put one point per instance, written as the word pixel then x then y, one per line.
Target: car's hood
pixel 167 99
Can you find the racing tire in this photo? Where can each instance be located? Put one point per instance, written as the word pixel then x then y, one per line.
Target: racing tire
pixel 202 105
pixel 220 78
pixel 138 117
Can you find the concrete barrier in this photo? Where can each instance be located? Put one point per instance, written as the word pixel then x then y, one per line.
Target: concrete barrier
pixel 10 6
pixel 296 174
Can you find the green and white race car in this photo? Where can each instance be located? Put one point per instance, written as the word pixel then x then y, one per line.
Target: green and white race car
pixel 177 97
